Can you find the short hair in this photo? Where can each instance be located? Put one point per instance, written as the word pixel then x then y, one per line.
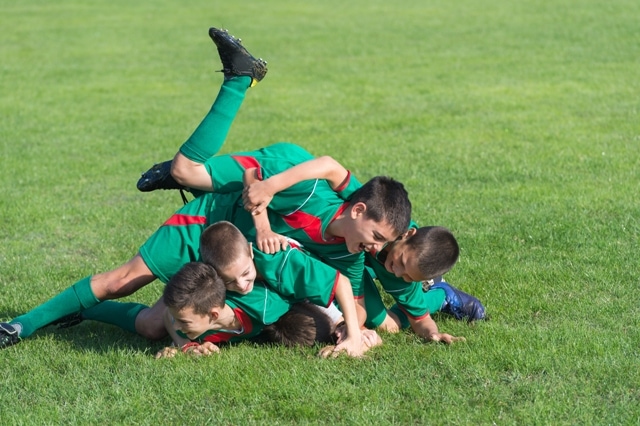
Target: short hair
pixel 436 248
pixel 221 244
pixel 303 325
pixel 196 285
pixel 386 200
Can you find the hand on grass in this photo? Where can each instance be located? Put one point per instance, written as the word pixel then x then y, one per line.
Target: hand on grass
pixel 446 338
pixel 168 352
pixel 205 349
pixel 369 339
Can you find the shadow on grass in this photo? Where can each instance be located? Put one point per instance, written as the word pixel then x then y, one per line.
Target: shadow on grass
pixel 96 337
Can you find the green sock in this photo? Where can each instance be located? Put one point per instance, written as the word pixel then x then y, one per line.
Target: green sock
pixel 74 299
pixel 120 314
pixel 210 135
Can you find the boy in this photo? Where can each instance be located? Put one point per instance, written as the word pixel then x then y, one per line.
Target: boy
pixel 204 314
pixel 339 232
pixel 291 273
pixel 419 255
pixel 199 318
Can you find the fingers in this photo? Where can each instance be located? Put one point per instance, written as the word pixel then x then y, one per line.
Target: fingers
pixel 168 352
pixel 327 351
pixel 273 244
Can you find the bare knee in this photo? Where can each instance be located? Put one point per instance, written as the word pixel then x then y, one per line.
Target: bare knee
pixel 190 174
pixel 182 169
pixel 150 324
pixel 390 324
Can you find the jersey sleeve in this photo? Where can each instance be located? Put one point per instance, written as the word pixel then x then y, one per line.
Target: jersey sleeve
pixel 297 275
pixel 348 187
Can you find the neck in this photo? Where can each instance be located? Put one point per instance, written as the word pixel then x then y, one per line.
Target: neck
pixel 335 228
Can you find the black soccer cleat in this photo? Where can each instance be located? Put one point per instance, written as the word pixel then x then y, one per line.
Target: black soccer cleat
pixel 8 335
pixel 158 177
pixel 236 60
pixel 460 304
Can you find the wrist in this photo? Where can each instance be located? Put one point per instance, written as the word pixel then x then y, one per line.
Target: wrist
pixel 187 347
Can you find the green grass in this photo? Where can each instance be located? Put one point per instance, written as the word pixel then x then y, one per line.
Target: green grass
pixel 515 124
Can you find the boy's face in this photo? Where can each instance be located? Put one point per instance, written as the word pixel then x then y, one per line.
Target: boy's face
pixel 366 234
pixel 240 275
pixel 403 263
pixel 190 323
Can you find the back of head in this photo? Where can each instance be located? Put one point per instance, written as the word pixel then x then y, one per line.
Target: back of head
pixel 303 325
pixel 196 285
pixel 436 248
pixel 221 243
pixel 386 200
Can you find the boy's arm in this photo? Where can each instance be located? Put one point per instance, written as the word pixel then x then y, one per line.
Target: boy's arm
pixel 178 342
pixel 352 344
pixel 258 194
pixel 267 241
pixel 427 328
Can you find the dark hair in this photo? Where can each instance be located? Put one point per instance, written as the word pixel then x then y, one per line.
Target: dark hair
pixel 196 285
pixel 303 325
pixel 436 248
pixel 221 244
pixel 386 200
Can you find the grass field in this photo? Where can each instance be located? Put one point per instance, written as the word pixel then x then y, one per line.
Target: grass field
pixel 515 124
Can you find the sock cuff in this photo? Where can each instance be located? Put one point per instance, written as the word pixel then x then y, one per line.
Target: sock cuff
pixel 84 293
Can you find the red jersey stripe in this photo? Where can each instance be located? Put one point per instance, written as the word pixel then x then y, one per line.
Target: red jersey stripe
pixel 247 162
pixel 312 225
pixel 223 336
pixel 185 220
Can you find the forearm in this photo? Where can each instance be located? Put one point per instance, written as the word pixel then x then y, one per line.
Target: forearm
pixel 319 168
pixel 344 296
pixel 425 327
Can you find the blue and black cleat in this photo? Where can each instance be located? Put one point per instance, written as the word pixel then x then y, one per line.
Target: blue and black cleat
pixel 460 304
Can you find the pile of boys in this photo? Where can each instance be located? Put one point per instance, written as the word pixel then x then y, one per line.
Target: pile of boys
pixel 276 246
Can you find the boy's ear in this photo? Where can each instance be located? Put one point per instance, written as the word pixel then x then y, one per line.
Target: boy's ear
pixel 410 233
pixel 251 250
pixel 358 209
pixel 214 313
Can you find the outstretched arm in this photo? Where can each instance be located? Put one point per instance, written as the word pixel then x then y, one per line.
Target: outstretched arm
pixel 427 328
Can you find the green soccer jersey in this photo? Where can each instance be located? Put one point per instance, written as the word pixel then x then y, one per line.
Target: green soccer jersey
pixel 302 212
pixel 262 306
pixel 297 276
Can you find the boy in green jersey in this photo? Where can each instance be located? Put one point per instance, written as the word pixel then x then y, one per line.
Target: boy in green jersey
pixel 200 319
pixel 201 314
pixel 336 230
pixel 292 273
pixel 402 266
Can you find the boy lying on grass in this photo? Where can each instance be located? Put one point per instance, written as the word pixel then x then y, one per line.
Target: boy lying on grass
pixel 201 315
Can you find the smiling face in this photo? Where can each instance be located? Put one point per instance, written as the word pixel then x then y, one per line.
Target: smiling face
pixel 190 323
pixel 364 234
pixel 403 262
pixel 239 275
